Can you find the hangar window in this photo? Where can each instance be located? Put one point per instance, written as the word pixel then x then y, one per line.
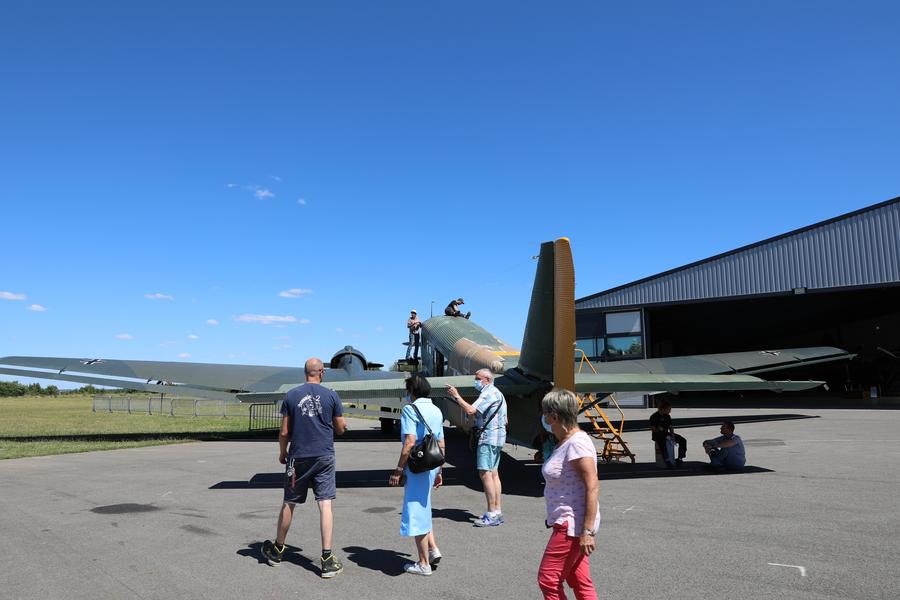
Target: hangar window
pixel 592 347
pixel 623 322
pixel 628 346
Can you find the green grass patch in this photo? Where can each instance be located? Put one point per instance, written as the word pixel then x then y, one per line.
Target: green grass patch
pixel 41 425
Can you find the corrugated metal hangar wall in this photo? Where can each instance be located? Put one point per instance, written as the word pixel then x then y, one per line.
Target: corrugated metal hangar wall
pixel 833 283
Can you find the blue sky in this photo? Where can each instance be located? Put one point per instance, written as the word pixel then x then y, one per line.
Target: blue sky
pixel 172 171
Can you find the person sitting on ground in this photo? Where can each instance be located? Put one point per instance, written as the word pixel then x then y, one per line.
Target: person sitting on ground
pixel 452 309
pixel 726 451
pixel 661 430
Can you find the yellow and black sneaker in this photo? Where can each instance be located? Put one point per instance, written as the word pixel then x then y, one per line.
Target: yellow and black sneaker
pixel 272 553
pixel 331 566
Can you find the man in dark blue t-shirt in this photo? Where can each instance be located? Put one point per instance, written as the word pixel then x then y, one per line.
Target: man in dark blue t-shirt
pixel 311 415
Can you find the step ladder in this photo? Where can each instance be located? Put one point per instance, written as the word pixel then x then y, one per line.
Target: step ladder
pixel 614 446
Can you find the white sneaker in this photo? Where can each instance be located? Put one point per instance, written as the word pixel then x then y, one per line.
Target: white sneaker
pixel 417 569
pixel 434 556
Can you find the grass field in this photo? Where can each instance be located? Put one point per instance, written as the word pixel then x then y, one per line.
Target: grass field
pixel 41 425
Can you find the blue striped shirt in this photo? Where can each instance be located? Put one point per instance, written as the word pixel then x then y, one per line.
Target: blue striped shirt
pixel 486 404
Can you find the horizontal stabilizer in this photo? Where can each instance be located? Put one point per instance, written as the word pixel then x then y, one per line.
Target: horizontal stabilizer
pixel 746 363
pixel 647 382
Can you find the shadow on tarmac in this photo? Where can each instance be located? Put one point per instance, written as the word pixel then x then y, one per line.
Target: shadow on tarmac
pixel 688 469
pixel 453 514
pixel 206 436
pixel 388 562
pixel 291 555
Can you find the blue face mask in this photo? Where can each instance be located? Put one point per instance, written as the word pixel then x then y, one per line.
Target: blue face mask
pixel 546 425
pixel 478 385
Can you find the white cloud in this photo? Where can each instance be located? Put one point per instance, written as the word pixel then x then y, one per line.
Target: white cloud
pixel 276 178
pixel 124 336
pixel 184 355
pixel 339 329
pixel 269 319
pixel 37 308
pixel 168 343
pixel 212 322
pixel 231 185
pixel 282 347
pixel 193 336
pixel 11 296
pixel 301 201
pixel 263 193
pixel 379 329
pixel 294 293
pixel 158 296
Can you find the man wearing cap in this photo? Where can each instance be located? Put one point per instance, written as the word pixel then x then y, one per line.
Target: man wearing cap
pixel 452 309
pixel 414 325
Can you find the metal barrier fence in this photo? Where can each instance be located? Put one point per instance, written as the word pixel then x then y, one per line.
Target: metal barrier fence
pixel 173 406
pixel 265 416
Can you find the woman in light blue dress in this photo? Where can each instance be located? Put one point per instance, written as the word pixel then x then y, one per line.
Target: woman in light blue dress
pixel 416 518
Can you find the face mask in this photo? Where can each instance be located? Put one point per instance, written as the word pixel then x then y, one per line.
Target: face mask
pixel 479 386
pixel 546 425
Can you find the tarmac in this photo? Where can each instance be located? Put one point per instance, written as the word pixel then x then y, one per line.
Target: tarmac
pixel 815 515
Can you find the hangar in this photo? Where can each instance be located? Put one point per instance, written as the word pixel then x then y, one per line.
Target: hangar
pixel 834 283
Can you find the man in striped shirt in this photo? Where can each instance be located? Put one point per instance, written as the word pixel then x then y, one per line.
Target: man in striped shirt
pixel 489 411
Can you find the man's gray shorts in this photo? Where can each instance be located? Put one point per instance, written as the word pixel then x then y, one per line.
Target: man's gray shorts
pixel 301 473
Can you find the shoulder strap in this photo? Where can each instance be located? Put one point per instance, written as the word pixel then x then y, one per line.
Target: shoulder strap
pixel 421 418
pixel 493 414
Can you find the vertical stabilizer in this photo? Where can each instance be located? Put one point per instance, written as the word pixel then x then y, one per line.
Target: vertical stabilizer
pixel 547 346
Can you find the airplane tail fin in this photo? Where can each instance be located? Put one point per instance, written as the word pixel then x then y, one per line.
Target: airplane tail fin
pixel 549 340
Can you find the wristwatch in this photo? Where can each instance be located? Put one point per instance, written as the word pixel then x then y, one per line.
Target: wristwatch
pixel 587 531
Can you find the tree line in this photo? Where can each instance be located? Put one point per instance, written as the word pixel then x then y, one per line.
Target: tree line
pixel 14 388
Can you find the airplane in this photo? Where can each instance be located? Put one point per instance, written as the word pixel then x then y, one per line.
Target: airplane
pixel 453 348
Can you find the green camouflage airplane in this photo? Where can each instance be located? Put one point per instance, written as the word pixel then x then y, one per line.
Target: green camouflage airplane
pixel 453 349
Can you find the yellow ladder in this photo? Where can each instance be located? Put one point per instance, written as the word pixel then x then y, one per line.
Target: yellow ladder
pixel 614 446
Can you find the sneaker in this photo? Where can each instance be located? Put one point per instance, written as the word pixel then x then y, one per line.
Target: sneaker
pixel 417 569
pixel 434 557
pixel 679 462
pixel 272 554
pixel 331 566
pixel 488 521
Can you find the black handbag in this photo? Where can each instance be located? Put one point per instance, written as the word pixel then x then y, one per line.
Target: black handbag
pixel 426 455
pixel 475 432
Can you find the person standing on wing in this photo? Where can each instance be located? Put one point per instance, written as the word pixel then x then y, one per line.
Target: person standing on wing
pixel 489 408
pixel 414 325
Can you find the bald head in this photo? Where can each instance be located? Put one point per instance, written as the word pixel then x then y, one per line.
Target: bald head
pixel 314 370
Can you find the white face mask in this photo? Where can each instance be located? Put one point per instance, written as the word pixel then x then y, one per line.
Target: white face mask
pixel 546 425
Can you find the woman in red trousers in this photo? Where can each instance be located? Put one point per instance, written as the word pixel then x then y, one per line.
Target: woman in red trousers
pixel 572 494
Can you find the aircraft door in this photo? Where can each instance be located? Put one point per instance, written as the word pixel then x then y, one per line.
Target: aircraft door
pixel 439 362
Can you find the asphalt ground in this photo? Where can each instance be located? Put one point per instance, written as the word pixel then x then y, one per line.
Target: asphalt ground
pixel 815 515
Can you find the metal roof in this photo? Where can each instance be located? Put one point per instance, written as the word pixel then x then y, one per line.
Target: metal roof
pixel 860 248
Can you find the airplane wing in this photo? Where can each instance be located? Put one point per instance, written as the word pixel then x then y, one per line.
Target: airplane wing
pixel 216 381
pixel 204 380
pixel 647 382
pixel 746 363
